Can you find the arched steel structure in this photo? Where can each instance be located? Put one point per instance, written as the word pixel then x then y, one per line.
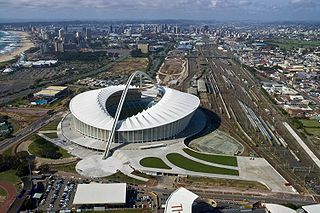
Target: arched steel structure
pixel 120 105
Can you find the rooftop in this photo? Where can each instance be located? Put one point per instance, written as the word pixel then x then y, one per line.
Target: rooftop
pixel 97 193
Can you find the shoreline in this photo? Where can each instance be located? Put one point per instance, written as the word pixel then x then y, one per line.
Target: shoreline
pixel 25 44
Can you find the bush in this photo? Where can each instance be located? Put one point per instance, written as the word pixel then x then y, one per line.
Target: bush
pixel 296 123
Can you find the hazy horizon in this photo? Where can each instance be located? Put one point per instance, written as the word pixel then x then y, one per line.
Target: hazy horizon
pixel 217 10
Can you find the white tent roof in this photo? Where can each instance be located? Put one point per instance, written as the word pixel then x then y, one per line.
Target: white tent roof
pixel 312 208
pixel 276 208
pixel 88 107
pixel 180 200
pixel 96 193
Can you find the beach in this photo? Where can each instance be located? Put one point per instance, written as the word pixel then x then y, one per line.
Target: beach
pixel 25 44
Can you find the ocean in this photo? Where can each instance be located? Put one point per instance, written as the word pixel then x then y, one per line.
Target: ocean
pixel 8 41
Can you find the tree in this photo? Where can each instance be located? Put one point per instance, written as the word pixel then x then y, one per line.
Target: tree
pixel 44 169
pixel 23 169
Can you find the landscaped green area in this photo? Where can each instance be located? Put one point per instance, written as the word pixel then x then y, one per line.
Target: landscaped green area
pixel 51 135
pixel 153 162
pixel 310 123
pixel 45 149
pixel 52 125
pixel 124 211
pixel 9 176
pixel 70 167
pixel 293 44
pixel 122 178
pixel 188 164
pixel 219 159
pixel 217 182
pixel 311 127
pixel 313 131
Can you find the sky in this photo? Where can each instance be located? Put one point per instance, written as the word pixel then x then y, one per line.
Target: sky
pixel 220 10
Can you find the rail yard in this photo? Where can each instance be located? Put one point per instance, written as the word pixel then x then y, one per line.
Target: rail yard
pixel 232 92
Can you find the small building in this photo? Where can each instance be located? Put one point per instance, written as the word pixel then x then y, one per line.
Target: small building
pixel 49 94
pixel 97 194
pixel 144 48
pixel 4 128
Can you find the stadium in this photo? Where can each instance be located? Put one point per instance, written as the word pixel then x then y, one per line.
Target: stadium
pixel 140 111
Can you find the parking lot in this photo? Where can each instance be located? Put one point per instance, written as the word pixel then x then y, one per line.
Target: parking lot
pixel 60 191
pixel 58 195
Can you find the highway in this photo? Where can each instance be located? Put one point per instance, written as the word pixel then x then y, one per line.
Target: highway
pixel 23 133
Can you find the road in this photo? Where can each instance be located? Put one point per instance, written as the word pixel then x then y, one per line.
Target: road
pixel 23 133
pixel 24 93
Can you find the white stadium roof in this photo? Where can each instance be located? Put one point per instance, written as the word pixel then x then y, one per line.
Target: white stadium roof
pixel 173 106
pixel 97 193
pixel 180 200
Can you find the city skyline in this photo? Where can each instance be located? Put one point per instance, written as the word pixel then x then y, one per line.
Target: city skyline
pixel 229 10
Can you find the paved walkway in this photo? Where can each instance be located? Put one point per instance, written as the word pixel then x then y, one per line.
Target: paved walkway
pixel 11 195
pixel 251 170
pixel 130 155
pixel 304 146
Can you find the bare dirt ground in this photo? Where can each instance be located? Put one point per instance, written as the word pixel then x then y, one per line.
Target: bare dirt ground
pixel 23 116
pixel 125 67
pixel 172 68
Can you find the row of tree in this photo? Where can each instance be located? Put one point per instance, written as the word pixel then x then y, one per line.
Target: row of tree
pixel 22 162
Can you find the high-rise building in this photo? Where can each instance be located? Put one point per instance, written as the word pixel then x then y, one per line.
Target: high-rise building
pixel 176 29
pixel 88 33
pixel 61 34
pixel 58 46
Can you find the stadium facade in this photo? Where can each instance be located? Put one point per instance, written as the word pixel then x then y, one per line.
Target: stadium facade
pixel 147 114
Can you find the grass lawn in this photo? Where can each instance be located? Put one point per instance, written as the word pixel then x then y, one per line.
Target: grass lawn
pixel 9 151
pixel 9 176
pixel 219 159
pixel 3 193
pixel 293 44
pixel 51 126
pixel 313 131
pixel 124 211
pixel 216 182
pixel 187 164
pixel 70 167
pixel 122 178
pixel 153 162
pixel 19 102
pixel 38 146
pixel 51 135
pixel 310 123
